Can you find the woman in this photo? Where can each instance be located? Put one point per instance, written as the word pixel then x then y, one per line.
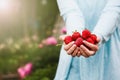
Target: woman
pixel 101 17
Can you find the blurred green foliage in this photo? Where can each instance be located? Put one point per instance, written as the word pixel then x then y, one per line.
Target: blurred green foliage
pixel 47 17
pixel 44 59
pixel 16 50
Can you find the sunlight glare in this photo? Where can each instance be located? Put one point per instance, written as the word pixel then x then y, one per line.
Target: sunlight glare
pixel 5 5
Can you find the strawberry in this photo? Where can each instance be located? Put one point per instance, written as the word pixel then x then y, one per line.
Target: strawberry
pixel 90 40
pixel 79 42
pixel 85 34
pixel 68 39
pixel 93 37
pixel 75 35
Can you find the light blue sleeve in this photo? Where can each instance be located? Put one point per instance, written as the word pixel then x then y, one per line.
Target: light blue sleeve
pixel 108 21
pixel 72 15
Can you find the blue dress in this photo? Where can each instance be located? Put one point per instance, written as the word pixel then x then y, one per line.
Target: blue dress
pixel 101 17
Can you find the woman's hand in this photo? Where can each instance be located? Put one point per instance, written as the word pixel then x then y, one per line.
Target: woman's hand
pixel 85 50
pixel 89 49
pixel 71 48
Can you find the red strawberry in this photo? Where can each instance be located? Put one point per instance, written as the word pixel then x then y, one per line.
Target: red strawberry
pixel 75 35
pixel 90 40
pixel 68 39
pixel 79 42
pixel 93 37
pixel 86 33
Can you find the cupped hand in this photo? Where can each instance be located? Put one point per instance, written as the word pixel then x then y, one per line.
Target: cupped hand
pixel 86 50
pixel 70 48
pixel 89 49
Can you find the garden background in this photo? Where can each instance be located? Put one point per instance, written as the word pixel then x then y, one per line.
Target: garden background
pixel 29 32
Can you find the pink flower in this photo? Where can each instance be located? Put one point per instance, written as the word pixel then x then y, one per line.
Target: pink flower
pixel 63 30
pixel 21 72
pixel 28 68
pixel 40 45
pixel 51 41
pixel 25 70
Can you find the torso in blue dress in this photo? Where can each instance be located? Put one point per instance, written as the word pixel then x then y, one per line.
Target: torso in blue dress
pixel 105 64
pixel 91 10
pixel 102 65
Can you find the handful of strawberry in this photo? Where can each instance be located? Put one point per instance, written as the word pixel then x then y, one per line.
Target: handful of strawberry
pixel 78 38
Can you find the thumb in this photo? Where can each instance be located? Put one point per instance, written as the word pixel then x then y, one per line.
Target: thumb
pixel 98 39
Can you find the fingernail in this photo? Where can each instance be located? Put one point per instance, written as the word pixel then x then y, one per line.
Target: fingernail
pixel 72 42
pixel 93 54
pixel 81 46
pixel 84 41
pixel 74 45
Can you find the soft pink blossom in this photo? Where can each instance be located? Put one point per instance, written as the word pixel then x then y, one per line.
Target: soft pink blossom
pixel 40 45
pixel 25 70
pixel 28 68
pixel 63 30
pixel 22 72
pixel 51 41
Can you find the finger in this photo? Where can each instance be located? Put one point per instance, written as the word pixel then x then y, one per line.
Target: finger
pixel 87 51
pixel 70 51
pixel 98 39
pixel 79 53
pixel 68 46
pixel 83 54
pixel 75 52
pixel 90 45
